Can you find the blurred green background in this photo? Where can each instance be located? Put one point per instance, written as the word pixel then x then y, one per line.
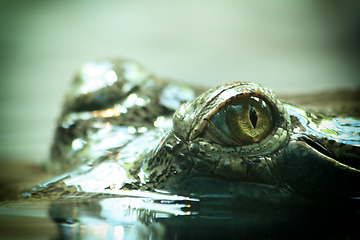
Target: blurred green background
pixel 289 46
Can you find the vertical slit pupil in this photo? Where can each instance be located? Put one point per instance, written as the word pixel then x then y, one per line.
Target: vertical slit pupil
pixel 253 116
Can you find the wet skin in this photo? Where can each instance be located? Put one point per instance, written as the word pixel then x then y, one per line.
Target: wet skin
pixel 123 128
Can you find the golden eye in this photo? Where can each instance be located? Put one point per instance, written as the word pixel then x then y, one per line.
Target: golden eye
pixel 242 121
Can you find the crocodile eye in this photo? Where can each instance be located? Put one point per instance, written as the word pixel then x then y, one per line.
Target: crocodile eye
pixel 242 121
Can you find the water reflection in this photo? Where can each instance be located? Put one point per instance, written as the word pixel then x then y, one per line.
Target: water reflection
pixel 117 218
pixel 141 217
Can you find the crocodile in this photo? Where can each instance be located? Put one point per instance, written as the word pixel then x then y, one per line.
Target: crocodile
pixel 124 129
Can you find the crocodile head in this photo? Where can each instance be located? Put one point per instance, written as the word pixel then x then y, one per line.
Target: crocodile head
pixel 241 133
pixel 130 130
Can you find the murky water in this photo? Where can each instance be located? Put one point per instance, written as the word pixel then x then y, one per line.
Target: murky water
pixel 145 215
pixel 206 218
